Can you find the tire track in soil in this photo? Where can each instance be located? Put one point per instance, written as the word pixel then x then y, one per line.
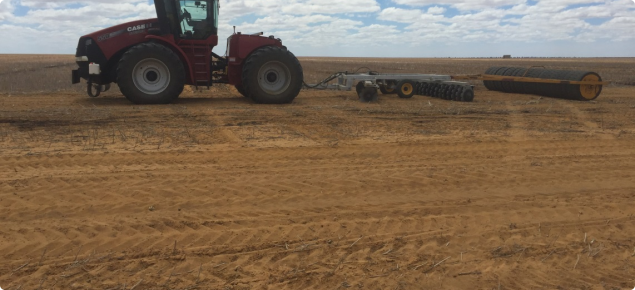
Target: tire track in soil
pixel 582 117
pixel 322 234
pixel 225 131
pixel 516 122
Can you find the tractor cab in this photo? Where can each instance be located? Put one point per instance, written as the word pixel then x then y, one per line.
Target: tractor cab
pixel 186 19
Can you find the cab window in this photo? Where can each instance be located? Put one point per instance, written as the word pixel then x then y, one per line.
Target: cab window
pixel 197 19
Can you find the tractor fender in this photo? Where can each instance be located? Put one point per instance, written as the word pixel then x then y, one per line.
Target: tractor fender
pixel 235 65
pixel 179 52
pixel 241 47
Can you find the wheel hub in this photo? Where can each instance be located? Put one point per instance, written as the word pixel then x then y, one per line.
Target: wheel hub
pixel 274 77
pixel 151 76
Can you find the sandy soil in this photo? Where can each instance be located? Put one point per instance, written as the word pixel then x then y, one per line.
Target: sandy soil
pixel 508 192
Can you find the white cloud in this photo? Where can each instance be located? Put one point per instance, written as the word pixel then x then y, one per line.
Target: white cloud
pixel 263 7
pixel 352 27
pixel 62 3
pixel 462 4
pixel 436 10
pixel 6 10
pixel 545 21
pixel 401 15
pixel 331 6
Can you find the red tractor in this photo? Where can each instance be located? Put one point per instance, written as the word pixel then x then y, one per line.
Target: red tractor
pixel 151 60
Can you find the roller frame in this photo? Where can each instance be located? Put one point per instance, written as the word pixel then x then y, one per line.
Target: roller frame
pixel 526 80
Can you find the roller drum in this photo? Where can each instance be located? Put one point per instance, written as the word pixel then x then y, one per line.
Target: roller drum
pixel 498 86
pixel 517 86
pixel 563 91
pixel 490 71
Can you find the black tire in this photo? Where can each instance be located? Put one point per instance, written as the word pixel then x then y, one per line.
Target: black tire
pixel 368 94
pixel 467 95
pixel 150 73
pixel 359 88
pixel 455 92
pixel 446 95
pixel 406 89
pixel 435 91
pixel 272 75
pixel 241 90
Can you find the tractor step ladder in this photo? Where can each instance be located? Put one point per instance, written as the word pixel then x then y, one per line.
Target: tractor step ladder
pixel 201 69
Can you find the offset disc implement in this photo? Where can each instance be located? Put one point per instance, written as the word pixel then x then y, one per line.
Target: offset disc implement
pixel 405 86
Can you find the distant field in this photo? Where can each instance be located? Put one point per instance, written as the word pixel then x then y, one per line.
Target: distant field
pixel 51 73
pixel 36 73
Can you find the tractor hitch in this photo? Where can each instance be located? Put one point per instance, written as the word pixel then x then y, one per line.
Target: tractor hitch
pixel 98 89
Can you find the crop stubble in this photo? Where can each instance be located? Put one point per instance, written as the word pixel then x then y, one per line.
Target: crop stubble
pixel 509 192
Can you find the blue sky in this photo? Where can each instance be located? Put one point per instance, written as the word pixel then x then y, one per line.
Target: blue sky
pixel 364 28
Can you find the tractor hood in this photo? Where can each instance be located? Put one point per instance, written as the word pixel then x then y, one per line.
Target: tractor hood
pixel 111 40
pixel 129 28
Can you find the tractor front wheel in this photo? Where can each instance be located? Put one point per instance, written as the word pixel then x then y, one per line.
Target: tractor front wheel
pixel 272 75
pixel 150 73
pixel 241 90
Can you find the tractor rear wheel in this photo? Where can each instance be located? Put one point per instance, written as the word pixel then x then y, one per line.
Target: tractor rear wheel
pixel 150 73
pixel 272 75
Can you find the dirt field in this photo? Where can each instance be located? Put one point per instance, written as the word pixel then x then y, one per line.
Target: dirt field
pixel 508 192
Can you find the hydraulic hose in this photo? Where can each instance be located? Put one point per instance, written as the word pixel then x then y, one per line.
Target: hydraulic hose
pixel 325 81
pixel 334 76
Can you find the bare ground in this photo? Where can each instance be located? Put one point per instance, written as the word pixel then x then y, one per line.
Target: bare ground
pixel 508 192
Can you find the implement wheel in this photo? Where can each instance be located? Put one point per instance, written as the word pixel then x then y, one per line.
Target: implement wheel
pixel 467 95
pixel 359 88
pixel 272 75
pixel 388 88
pixel 405 89
pixel 368 94
pixel 150 73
